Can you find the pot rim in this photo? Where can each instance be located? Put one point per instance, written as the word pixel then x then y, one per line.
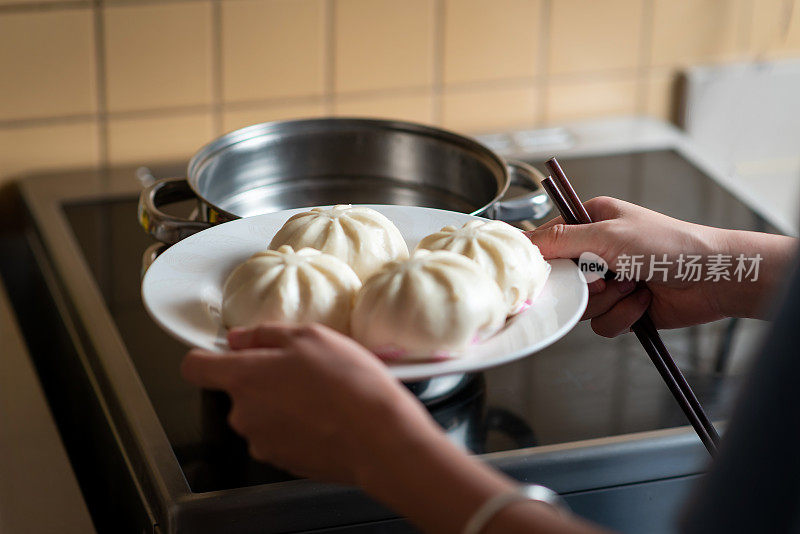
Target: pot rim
pixel 301 126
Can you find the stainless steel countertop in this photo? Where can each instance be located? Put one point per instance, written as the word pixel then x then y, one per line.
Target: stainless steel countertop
pixel 38 489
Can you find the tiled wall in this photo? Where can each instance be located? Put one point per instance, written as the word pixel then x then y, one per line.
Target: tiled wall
pixel 119 81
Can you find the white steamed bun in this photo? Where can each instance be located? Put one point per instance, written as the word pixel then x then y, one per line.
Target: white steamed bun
pixel 503 251
pixel 359 236
pixel 430 306
pixel 284 285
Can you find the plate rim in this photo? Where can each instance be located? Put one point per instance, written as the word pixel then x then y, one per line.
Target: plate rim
pixel 407 372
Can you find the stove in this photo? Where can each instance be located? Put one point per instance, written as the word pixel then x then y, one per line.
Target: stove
pixel 588 417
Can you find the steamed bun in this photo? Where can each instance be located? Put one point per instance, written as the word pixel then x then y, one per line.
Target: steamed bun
pixel 430 306
pixel 359 236
pixel 284 285
pixel 503 251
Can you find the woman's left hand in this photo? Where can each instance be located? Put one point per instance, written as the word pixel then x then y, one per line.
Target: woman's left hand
pixel 310 400
pixel 315 402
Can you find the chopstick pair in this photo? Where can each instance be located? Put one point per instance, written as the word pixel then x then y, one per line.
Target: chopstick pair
pixel 573 212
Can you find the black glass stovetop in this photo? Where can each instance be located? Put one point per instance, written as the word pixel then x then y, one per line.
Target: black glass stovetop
pixel 582 387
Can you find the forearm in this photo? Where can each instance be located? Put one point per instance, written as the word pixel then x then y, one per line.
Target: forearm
pixel 749 297
pixel 422 476
pixel 437 486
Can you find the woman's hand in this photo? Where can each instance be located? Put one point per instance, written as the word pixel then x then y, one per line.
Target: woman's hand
pixel 624 229
pixel 310 400
pixel 315 402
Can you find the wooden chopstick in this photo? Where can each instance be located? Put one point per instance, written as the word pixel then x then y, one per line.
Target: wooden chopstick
pixel 561 203
pixel 707 433
pixel 646 322
pixel 573 211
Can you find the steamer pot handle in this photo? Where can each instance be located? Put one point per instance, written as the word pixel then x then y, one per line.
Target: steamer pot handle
pixel 167 228
pixel 535 205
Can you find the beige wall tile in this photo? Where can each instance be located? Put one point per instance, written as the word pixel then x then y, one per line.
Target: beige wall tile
pixel 570 100
pixel 693 31
pixel 383 44
pixel 48 146
pixel 774 32
pixel 582 39
pixel 235 119
pixel 158 55
pixel 483 110
pixel 149 139
pixel 490 39
pixel 660 95
pixel 47 64
pixel 414 108
pixel 272 48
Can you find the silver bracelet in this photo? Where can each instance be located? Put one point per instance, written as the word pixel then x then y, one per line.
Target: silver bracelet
pixel 490 508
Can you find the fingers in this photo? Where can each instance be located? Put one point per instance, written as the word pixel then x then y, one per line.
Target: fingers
pixel 267 335
pixel 210 370
pixel 604 208
pixel 568 241
pixel 556 240
pixel 603 301
pixel 596 287
pixel 548 224
pixel 598 208
pixel 219 370
pixel 621 316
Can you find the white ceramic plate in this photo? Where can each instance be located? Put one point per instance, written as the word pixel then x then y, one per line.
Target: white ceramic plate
pixel 182 290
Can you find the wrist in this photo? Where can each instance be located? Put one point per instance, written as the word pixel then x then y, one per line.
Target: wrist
pixel 394 428
pixel 495 514
pixel 748 296
pixel 412 467
pixel 387 440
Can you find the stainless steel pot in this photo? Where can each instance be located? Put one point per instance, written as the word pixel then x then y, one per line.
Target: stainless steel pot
pixel 289 164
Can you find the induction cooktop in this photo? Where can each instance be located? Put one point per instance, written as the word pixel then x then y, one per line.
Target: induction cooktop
pixel 581 415
pixel 584 387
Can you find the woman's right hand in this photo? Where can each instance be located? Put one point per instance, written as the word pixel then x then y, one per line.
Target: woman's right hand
pixel 621 229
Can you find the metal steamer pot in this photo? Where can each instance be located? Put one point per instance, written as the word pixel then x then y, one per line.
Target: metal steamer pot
pixel 311 162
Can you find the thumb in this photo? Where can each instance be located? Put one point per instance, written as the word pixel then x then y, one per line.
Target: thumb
pixel 567 240
pixel 222 370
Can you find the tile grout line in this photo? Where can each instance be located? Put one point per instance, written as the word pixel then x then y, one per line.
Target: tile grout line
pixel 746 29
pixel 643 61
pixel 417 90
pixel 147 2
pixel 421 90
pixel 788 10
pixel 437 89
pixel 101 76
pixel 216 67
pixel 544 61
pixel 329 58
pixel 33 7
pixel 38 7
pixel 47 121
pixel 103 231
